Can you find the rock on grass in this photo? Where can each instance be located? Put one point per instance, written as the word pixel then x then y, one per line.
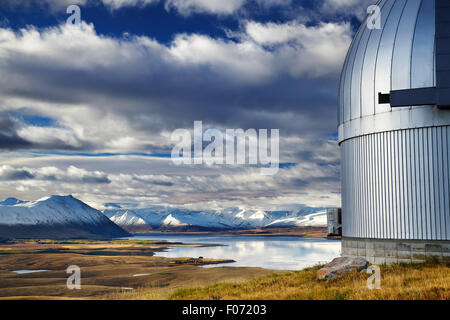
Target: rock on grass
pixel 340 266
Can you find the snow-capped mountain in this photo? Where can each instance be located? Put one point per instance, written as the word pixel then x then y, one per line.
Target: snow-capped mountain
pixel 54 217
pixel 129 221
pixel 318 219
pixel 127 218
pixel 171 221
pixel 230 218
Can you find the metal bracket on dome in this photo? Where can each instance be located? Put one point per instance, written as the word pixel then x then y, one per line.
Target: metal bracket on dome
pixel 409 97
pixel 433 96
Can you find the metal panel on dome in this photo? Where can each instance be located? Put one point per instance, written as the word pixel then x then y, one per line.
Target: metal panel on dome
pixel 422 64
pixel 401 59
pixel 355 106
pixel 348 74
pixel 368 70
pixel 384 59
pixel 397 185
pixel 401 55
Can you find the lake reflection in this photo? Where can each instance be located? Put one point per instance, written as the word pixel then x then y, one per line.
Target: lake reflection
pixel 281 253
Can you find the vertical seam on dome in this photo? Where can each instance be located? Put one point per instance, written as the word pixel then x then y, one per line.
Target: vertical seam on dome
pixel 434 49
pixel 376 61
pixel 447 173
pixel 351 71
pixel 364 59
pixel 434 61
pixel 395 43
pixel 412 45
pixel 361 73
pixel 430 185
pixel 347 63
pixel 344 78
pixel 341 89
pixel 448 182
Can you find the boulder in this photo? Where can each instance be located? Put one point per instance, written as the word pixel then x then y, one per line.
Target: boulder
pixel 340 266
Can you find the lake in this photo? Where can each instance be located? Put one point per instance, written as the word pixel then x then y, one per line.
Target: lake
pixel 280 253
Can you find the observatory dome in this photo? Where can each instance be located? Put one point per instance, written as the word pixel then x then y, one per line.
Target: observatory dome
pixel 400 55
pixel 396 158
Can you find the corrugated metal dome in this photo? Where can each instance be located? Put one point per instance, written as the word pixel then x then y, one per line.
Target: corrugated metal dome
pixel 395 161
pixel 400 55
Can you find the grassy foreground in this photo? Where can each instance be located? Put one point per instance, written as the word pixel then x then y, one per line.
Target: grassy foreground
pixel 429 281
pixel 128 269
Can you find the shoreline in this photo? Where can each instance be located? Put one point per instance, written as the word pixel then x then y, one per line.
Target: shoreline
pixel 302 232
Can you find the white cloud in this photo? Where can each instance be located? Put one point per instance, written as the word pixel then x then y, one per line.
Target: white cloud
pixel 53 5
pixel 117 4
pixel 356 8
pixel 240 60
pixel 214 7
pixel 187 7
pixel 315 50
pixel 184 7
pixel 273 3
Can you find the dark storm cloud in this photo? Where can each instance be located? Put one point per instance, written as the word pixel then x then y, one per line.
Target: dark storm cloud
pixel 8 137
pixel 11 125
pixel 300 183
pixel 95 180
pixel 16 175
pixel 13 142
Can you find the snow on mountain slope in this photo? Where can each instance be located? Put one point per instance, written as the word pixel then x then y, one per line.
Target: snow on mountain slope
pixel 156 217
pixel 127 219
pixel 250 219
pixel 54 213
pixel 318 219
pixel 171 221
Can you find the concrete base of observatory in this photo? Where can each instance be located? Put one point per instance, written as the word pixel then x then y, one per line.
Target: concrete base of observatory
pixel 379 251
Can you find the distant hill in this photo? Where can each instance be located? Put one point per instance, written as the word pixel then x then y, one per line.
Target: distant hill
pixel 56 217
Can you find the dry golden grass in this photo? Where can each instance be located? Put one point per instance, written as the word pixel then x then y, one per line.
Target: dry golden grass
pixel 189 277
pixel 428 281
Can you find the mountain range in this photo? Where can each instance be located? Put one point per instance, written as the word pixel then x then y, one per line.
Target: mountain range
pixel 59 217
pixel 175 219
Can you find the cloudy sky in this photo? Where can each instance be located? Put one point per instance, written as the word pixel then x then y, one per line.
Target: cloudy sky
pixel 89 111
